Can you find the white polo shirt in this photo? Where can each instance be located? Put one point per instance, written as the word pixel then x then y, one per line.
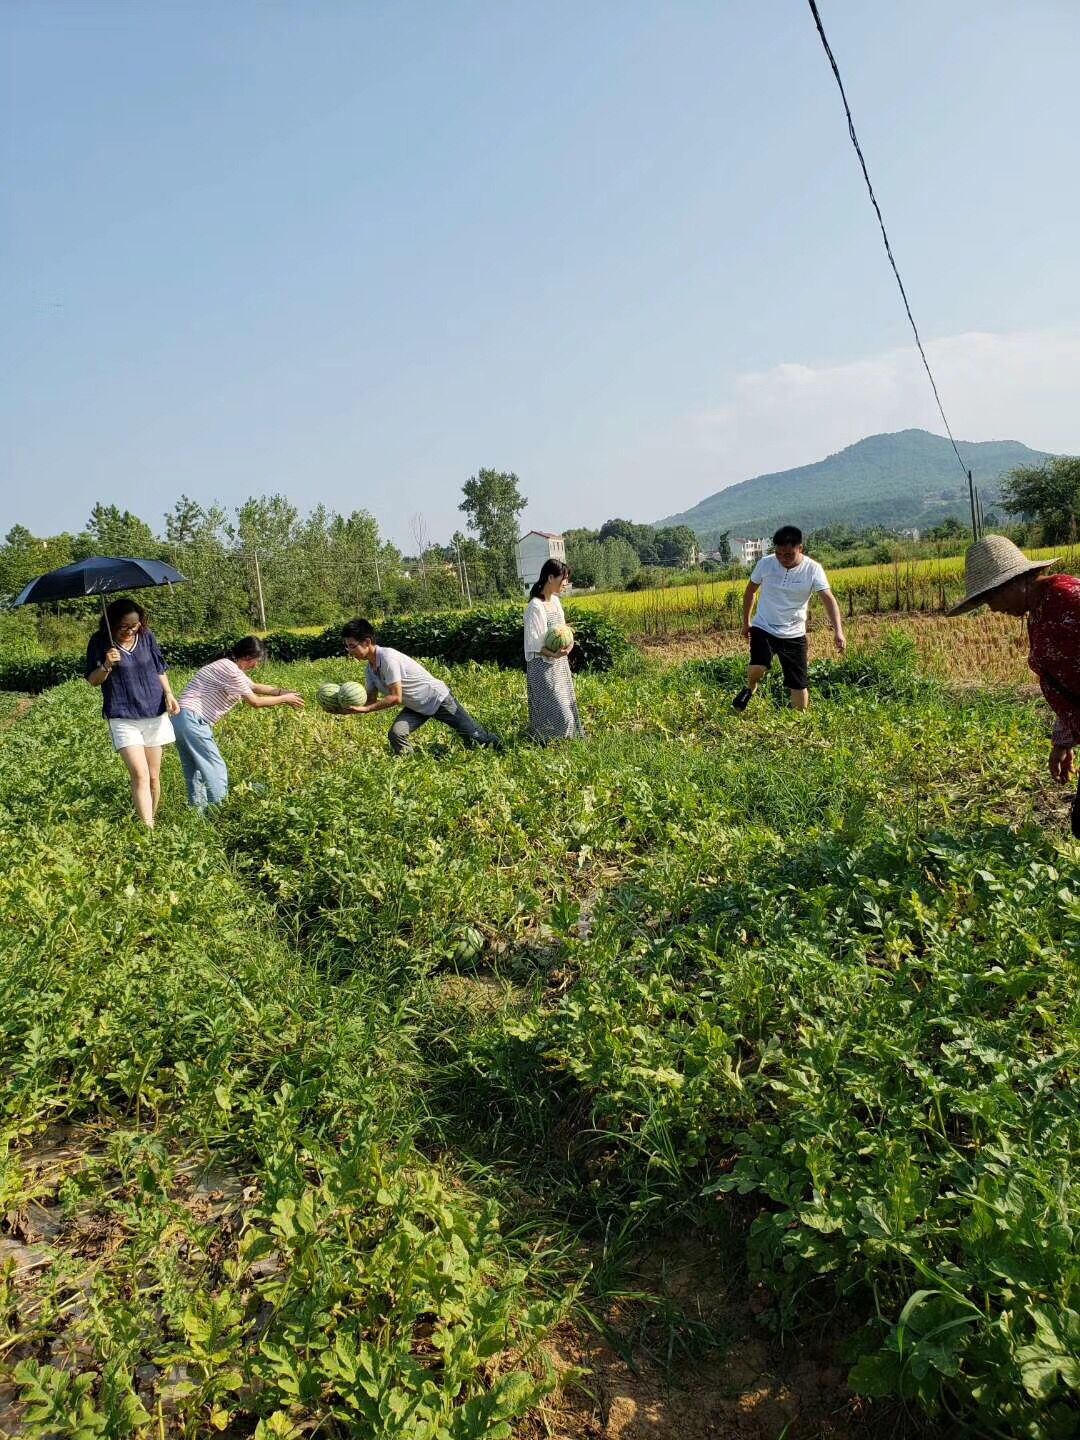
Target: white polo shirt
pixel 420 691
pixel 784 597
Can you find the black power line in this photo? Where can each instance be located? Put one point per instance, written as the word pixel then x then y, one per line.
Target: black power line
pixel 885 237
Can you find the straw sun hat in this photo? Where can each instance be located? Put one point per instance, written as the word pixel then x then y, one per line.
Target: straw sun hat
pixel 988 565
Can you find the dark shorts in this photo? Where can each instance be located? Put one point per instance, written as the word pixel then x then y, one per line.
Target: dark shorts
pixel 790 653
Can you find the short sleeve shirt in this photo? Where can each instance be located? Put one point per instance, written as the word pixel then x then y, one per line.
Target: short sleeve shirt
pixel 215 689
pixel 784 597
pixel 420 691
pixel 133 690
pixel 539 619
pixel 1054 638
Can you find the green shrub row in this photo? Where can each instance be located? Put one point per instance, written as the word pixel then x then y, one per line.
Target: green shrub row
pixel 491 635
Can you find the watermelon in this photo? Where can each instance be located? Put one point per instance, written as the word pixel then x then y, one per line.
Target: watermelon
pixel 559 637
pixel 351 693
pixel 467 945
pixel 327 696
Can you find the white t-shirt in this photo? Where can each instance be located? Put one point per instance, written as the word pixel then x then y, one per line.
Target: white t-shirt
pixel 539 619
pixel 784 597
pixel 420 691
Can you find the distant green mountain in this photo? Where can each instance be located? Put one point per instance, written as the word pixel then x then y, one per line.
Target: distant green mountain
pixel 903 480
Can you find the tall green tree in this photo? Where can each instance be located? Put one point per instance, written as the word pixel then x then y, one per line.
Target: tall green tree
pixel 112 531
pixel 1049 494
pixel 24 556
pixel 493 501
pixel 215 598
pixel 263 536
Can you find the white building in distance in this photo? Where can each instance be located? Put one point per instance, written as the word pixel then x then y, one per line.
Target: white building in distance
pixel 749 552
pixel 533 549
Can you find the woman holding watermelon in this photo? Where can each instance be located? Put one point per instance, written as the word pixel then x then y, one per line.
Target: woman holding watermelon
pixel 553 708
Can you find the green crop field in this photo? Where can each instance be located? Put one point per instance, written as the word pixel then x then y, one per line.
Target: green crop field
pixel 339 1112
pixel 912 586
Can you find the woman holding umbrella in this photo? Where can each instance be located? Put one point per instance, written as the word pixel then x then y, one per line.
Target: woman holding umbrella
pixel 126 661
pixel 999 575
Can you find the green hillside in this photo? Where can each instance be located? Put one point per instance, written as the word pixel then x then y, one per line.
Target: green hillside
pixel 910 478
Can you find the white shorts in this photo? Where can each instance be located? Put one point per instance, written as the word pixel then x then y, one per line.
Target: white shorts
pixel 155 731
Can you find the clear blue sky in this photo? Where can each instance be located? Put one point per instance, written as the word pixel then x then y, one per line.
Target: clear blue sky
pixel 354 251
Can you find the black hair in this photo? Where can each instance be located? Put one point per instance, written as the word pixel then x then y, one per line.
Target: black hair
pixel 115 612
pixel 548 571
pixel 250 648
pixel 358 629
pixel 787 535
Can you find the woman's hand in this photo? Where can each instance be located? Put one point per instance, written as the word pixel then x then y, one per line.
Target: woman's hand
pixel 172 705
pixel 112 657
pixel 290 697
pixel 1061 762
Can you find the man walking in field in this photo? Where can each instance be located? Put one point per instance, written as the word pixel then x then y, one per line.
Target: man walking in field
pixel 787 579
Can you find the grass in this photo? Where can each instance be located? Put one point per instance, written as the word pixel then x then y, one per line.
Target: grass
pixel 455 1039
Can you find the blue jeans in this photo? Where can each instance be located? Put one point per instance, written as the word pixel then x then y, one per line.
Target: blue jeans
pixel 205 772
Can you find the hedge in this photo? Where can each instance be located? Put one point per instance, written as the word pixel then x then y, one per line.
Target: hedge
pixel 491 635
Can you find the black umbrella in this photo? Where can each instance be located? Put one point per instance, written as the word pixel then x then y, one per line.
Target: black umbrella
pixel 99 575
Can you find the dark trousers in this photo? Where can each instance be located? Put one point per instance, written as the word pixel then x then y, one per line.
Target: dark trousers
pixel 451 713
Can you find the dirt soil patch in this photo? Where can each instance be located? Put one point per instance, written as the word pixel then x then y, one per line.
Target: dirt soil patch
pixel 982 650
pixel 713 1374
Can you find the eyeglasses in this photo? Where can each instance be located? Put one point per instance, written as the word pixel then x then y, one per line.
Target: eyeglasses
pixel 127 629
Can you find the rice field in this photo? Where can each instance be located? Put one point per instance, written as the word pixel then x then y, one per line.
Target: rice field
pixel 915 587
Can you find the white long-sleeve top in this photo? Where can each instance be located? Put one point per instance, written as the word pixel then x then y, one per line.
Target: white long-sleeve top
pixel 540 617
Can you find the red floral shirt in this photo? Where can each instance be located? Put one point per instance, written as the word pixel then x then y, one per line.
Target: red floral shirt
pixel 1054 635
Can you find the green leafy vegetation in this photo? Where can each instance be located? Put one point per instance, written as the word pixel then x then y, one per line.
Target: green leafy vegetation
pixel 808 981
pixel 485 634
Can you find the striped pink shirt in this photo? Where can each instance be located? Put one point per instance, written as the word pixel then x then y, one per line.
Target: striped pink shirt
pixel 214 690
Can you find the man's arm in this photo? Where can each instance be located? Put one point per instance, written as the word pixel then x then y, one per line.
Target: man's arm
pixel 748 605
pixel 385 702
pixel 836 620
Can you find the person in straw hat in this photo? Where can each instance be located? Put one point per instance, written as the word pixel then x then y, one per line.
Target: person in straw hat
pixel 999 575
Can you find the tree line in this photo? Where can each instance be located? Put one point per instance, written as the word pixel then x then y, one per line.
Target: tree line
pixel 266 565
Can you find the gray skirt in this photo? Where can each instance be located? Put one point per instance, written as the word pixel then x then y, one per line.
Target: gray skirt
pixel 553 710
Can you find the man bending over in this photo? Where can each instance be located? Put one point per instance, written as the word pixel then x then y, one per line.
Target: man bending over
pixel 394 680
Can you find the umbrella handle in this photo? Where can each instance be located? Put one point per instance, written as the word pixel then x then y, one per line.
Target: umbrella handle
pixel 108 628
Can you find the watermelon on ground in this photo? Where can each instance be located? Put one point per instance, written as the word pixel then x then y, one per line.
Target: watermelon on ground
pixel 351 693
pixel 327 696
pixel 467 945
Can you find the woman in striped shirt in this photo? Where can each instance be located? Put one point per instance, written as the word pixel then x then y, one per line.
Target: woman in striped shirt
pixel 211 693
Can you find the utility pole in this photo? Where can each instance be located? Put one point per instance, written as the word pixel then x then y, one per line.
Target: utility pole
pixel 975 530
pixel 463 576
pixel 258 586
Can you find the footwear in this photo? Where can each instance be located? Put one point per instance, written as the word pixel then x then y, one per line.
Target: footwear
pixel 742 699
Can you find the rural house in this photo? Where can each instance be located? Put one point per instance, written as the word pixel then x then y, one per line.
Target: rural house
pixel 533 549
pixel 749 552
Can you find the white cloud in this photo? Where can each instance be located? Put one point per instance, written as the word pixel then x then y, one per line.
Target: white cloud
pixel 1018 386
